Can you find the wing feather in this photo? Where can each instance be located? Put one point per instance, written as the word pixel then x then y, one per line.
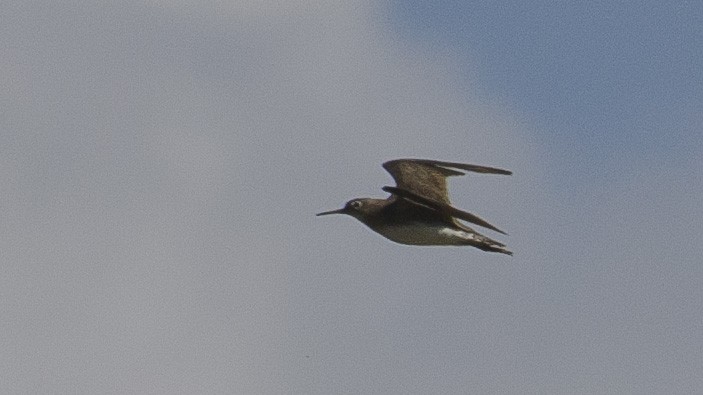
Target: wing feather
pixel 441 207
pixel 428 178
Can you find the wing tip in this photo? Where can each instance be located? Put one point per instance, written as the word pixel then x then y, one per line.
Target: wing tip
pixel 449 166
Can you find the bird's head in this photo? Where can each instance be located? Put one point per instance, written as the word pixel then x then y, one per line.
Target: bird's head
pixel 355 207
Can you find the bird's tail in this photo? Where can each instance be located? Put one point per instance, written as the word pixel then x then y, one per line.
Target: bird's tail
pixel 487 244
pixel 497 247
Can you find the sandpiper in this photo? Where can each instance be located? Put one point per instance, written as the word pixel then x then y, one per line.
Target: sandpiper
pixel 418 211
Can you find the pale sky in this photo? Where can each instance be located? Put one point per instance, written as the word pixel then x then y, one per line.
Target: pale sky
pixel 161 163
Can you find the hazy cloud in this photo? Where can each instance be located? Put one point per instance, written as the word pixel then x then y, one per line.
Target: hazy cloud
pixel 161 165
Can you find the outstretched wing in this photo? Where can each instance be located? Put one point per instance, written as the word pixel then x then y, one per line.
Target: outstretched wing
pixel 441 207
pixel 428 178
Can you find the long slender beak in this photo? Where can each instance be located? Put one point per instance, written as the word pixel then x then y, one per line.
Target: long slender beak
pixel 340 211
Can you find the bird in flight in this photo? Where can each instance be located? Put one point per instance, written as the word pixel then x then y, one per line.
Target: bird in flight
pixel 418 211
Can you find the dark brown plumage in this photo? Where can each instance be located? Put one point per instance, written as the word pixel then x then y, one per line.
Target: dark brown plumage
pixel 419 212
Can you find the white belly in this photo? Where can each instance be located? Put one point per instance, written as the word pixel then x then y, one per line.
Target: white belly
pixel 424 235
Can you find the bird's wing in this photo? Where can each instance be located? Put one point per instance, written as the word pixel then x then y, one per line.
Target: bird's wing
pixel 440 207
pixel 428 178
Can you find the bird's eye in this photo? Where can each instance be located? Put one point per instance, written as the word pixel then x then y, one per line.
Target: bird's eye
pixel 355 204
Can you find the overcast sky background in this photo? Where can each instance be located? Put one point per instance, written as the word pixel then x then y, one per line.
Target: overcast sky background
pixel 161 163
